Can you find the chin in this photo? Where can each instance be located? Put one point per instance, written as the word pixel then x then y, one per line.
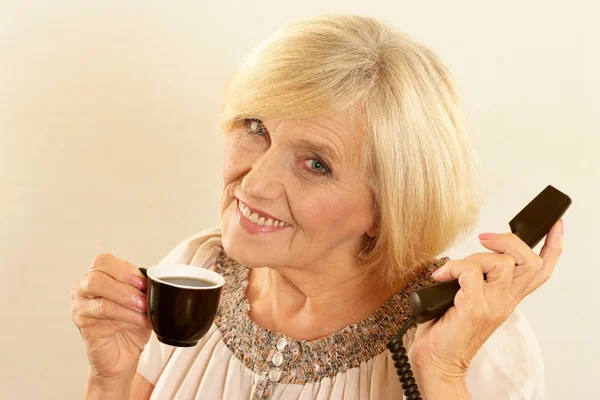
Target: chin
pixel 243 253
pixel 236 244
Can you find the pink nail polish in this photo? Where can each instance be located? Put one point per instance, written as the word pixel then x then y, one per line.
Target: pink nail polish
pixel 140 303
pixel 486 236
pixel 435 273
pixel 137 282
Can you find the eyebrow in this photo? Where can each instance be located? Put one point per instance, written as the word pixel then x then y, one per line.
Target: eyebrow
pixel 321 148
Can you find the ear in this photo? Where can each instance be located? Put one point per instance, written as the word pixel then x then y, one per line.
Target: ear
pixel 373 231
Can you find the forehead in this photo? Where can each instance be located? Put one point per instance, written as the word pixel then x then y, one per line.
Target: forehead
pixel 341 124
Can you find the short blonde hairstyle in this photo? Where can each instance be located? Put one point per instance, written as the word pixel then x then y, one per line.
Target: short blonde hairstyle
pixel 420 167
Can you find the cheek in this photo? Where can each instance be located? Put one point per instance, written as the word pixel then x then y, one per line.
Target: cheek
pixel 326 213
pixel 229 165
pixel 236 160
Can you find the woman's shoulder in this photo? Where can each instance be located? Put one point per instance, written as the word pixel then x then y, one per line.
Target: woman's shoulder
pixel 200 249
pixel 509 364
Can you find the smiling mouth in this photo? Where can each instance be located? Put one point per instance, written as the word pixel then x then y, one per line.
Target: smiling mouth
pixel 257 218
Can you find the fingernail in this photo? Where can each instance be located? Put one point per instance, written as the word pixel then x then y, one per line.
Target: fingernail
pixel 140 303
pixel 137 282
pixel 486 236
pixel 435 273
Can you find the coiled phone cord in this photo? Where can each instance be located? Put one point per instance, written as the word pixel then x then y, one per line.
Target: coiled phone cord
pixel 409 385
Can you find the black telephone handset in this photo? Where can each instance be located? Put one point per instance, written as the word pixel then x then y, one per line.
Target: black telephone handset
pixel 531 224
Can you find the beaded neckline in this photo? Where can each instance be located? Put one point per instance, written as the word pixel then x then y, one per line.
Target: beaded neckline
pixel 307 361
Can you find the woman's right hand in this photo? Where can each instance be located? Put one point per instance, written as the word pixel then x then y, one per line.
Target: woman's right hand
pixel 109 308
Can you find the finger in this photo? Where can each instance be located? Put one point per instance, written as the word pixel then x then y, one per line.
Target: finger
pixel 453 269
pixel 507 243
pixel 486 262
pixel 107 327
pixel 550 253
pixel 531 270
pixel 528 262
pixel 136 334
pixel 133 328
pixel 119 270
pixel 99 309
pixel 470 299
pixel 97 284
pixel 499 268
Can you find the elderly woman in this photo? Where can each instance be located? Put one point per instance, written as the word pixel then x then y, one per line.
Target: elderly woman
pixel 347 171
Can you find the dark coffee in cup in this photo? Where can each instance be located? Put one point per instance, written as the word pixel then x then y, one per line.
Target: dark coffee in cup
pixel 182 302
pixel 192 282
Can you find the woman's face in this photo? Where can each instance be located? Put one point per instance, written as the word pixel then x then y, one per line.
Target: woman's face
pixel 295 192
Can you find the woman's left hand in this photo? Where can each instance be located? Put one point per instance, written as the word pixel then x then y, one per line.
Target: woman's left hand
pixel 443 349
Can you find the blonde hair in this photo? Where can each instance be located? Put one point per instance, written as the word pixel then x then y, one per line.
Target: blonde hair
pixel 420 167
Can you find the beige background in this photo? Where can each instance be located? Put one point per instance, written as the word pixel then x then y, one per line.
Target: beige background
pixel 107 111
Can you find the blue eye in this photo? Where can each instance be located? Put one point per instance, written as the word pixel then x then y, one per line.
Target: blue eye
pixel 317 166
pixel 256 127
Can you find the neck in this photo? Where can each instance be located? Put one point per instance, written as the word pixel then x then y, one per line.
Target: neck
pixel 314 301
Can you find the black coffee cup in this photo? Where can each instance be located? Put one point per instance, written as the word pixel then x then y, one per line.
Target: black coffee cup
pixel 182 302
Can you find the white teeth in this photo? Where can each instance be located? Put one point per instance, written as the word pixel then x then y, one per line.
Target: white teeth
pixel 246 212
pixel 255 218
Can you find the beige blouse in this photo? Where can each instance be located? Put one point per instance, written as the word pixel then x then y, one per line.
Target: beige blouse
pixel 238 359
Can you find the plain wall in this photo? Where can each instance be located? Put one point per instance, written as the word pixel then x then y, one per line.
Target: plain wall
pixel 107 144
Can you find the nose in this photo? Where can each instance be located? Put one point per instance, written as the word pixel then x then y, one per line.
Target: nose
pixel 265 179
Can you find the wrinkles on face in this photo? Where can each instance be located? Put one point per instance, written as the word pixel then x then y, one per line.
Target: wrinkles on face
pixel 329 213
pixel 338 134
